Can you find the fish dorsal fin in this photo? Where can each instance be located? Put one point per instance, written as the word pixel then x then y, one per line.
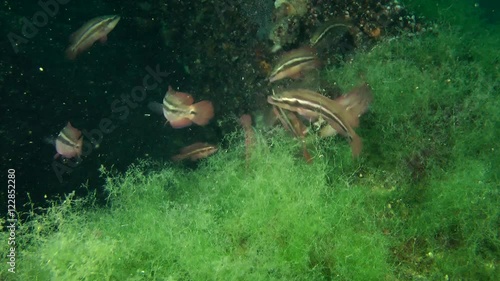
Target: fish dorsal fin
pixel 72 133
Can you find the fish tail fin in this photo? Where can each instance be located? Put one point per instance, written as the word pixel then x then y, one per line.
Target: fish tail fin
pixel 204 111
pixel 356 145
pixel 156 107
pixel 49 140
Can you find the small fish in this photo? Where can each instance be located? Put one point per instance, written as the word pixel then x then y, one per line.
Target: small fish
pixel 93 30
pixel 335 27
pixel 294 63
pixel 313 105
pixel 69 142
pixel 179 110
pixel 195 151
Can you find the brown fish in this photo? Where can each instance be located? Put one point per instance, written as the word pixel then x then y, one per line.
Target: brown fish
pixel 195 151
pixel 179 110
pixel 93 30
pixel 334 27
pixel 314 106
pixel 69 142
pixel 294 63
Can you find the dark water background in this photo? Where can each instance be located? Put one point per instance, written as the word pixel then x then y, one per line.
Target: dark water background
pixel 40 90
pixel 37 104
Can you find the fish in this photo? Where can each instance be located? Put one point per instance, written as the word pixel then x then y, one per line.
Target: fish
pixel 335 27
pixel 293 124
pixel 314 106
pixel 179 110
pixel 69 142
pixel 93 30
pixel 294 63
pixel 195 151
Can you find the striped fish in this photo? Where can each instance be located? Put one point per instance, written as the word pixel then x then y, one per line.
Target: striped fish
pixel 179 110
pixel 69 142
pixel 195 151
pixel 93 30
pixel 294 63
pixel 314 106
pixel 334 27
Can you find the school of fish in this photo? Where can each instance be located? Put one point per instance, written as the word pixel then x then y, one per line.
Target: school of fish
pixel 290 105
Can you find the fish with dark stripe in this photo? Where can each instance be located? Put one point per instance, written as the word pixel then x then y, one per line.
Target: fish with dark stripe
pixel 294 64
pixel 69 142
pixel 313 105
pixel 93 30
pixel 195 151
pixel 335 27
pixel 179 110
